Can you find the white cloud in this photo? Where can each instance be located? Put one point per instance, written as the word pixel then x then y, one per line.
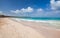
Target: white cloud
pixel 23 10
pixel 1 12
pixel 29 9
pixel 40 10
pixel 16 11
pixel 55 4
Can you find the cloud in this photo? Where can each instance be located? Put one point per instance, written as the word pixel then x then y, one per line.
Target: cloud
pixel 31 12
pixel 1 12
pixel 55 4
pixel 23 10
pixel 40 10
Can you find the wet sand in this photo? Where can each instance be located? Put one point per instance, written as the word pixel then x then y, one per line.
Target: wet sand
pixel 24 29
pixel 43 28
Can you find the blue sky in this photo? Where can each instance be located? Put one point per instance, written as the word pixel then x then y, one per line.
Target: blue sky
pixel 31 8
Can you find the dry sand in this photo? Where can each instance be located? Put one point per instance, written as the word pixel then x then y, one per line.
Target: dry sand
pixel 12 29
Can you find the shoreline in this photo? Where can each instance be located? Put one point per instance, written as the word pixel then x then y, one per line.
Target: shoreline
pixel 51 23
pixel 13 29
pixel 39 26
pixel 28 29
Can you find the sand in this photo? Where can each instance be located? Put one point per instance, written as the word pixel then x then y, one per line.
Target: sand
pixel 12 29
pixel 24 29
pixel 43 28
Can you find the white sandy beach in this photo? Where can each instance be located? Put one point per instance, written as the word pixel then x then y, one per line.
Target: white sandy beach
pixel 44 29
pixel 24 29
pixel 12 29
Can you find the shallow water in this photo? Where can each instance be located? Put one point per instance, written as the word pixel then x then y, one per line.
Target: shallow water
pixel 53 23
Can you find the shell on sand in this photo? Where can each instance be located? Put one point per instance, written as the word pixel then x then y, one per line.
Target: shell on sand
pixel 12 29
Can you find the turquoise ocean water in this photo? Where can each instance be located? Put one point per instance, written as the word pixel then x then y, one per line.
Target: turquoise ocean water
pixel 55 22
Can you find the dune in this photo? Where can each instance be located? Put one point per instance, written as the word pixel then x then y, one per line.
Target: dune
pixel 13 29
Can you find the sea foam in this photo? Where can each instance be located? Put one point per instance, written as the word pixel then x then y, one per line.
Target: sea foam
pixel 53 22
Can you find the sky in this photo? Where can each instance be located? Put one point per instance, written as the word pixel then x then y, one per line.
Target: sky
pixel 30 8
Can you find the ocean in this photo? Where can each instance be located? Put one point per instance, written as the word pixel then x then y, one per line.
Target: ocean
pixel 55 22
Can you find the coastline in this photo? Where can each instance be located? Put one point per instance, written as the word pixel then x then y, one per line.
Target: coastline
pixel 26 29
pixel 13 29
pixel 43 28
pixel 51 23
